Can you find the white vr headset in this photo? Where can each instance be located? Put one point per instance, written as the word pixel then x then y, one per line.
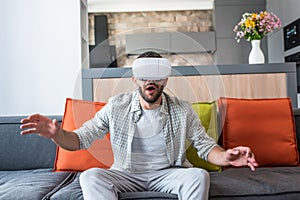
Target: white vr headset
pixel 151 68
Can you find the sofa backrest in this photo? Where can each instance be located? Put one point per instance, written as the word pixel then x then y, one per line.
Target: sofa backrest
pixel 20 152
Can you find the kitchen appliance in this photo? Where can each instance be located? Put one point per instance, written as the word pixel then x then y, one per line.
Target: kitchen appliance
pixel 292 35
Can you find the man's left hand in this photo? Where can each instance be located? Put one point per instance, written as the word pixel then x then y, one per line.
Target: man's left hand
pixel 241 156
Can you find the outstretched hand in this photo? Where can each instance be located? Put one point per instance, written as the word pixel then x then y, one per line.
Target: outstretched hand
pixel 41 125
pixel 241 156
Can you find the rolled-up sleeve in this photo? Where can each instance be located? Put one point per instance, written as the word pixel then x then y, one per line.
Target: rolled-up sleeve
pixel 95 128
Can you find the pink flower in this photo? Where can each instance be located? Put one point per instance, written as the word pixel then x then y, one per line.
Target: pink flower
pixel 240 34
pixel 256 25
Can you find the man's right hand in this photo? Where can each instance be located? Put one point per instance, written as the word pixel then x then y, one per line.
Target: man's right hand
pixel 48 128
pixel 41 125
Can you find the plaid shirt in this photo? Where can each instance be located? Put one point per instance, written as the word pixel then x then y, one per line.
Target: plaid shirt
pixel 120 115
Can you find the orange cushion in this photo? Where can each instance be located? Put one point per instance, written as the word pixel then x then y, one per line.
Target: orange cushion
pixel 98 155
pixel 265 125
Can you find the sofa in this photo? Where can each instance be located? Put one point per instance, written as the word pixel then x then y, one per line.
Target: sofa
pixel 26 172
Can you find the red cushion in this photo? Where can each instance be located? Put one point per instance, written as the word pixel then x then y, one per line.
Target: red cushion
pixel 265 125
pixel 98 155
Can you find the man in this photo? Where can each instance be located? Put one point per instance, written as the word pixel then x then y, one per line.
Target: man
pixel 148 130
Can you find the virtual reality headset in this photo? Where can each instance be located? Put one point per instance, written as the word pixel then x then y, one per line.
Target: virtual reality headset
pixel 151 68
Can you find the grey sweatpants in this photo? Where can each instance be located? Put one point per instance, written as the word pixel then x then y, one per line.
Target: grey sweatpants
pixel 187 183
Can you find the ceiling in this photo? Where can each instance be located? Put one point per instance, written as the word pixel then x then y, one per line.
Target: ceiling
pixel 143 5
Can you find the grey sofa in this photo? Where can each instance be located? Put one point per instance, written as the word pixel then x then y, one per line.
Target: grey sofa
pixel 26 164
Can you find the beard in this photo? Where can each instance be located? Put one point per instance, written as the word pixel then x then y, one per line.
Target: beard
pixel 152 97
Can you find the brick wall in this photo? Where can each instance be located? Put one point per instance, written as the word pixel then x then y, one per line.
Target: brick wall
pixel 120 24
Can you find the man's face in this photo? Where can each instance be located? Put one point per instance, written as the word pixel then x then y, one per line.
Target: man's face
pixel 151 90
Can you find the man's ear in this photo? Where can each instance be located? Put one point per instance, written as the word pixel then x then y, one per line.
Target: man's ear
pixel 134 81
pixel 165 81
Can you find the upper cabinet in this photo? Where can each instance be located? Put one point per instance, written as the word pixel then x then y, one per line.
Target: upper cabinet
pixel 193 42
pixel 139 43
pixel 171 42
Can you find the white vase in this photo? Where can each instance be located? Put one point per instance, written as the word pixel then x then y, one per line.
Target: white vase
pixel 256 55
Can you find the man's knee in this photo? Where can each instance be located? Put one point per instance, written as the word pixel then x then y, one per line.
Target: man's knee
pixel 90 174
pixel 199 175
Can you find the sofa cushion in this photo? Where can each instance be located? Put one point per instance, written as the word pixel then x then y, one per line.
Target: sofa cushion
pixel 73 191
pixel 69 192
pixel 265 183
pixel 207 113
pixel 29 184
pixel 20 152
pixel 265 125
pixel 98 155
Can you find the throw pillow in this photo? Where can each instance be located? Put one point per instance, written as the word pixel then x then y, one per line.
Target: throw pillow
pixel 98 155
pixel 265 125
pixel 207 113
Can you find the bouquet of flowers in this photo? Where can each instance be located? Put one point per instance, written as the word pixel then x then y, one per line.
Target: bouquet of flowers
pixel 254 26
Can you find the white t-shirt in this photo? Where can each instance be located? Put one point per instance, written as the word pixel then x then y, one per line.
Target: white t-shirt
pixel 148 145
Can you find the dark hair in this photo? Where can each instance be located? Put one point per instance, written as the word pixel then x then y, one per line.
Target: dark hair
pixel 150 54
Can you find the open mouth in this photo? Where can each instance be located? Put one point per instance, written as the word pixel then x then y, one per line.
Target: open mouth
pixel 151 88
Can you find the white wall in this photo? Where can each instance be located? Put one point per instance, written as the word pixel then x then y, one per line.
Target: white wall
pixel 287 11
pixel 39 55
